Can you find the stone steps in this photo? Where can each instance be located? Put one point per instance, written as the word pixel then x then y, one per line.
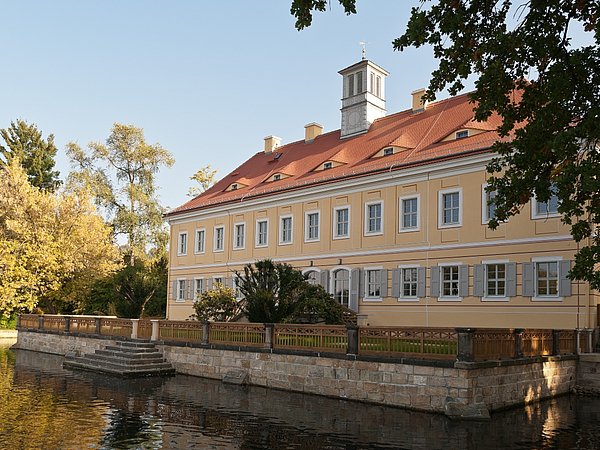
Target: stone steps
pixel 126 359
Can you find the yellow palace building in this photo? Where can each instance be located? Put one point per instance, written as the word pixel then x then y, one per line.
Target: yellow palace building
pixel 389 213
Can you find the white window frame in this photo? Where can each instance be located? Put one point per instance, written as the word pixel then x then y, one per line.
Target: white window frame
pixel 456 135
pixel 197 251
pixel 179 298
pixel 307 237
pixel 388 151
pixel 281 218
pixel 547 298
pixel 441 194
pixel 332 280
pixel 484 205
pixel 537 215
pixel 335 222
pixel 257 243
pixel 443 298
pixel 327 165
pixel 216 249
pixel 402 297
pixel 313 270
pixel 379 232
pixel 195 290
pixel 401 200
pixel 212 281
pixel 182 238
pixel 277 177
pixel 233 187
pixel 235 236
pixel 367 297
pixel 486 297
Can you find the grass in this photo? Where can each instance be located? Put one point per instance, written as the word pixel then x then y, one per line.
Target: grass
pixel 434 347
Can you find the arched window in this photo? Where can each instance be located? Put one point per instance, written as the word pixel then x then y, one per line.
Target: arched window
pixel 341 286
pixel 313 277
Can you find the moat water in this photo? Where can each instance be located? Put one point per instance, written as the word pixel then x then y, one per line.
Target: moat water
pixel 43 406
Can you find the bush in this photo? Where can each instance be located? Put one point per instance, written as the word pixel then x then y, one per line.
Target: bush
pixel 217 304
pixel 8 323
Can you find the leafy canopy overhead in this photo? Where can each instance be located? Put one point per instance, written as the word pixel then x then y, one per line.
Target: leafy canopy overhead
pixel 205 178
pixel 121 176
pixel 24 143
pixel 546 90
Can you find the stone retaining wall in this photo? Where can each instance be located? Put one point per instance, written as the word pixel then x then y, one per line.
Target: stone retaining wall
pixel 588 375
pixel 414 384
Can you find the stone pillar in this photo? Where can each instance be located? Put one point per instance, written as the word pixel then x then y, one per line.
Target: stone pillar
pixel 352 339
pixel 465 344
pixel 18 321
pixel 205 332
pixel 67 323
pixel 361 320
pixel 98 325
pixel 556 342
pixel 134 328
pixel 269 328
pixel 40 321
pixel 518 332
pixel 588 341
pixel 154 336
pixel 578 341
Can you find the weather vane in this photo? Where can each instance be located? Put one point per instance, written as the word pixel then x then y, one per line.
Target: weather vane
pixel 363 43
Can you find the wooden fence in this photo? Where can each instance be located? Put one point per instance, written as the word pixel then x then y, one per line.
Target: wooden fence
pixel 413 342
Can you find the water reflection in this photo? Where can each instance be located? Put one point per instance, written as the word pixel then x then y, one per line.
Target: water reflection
pixel 44 406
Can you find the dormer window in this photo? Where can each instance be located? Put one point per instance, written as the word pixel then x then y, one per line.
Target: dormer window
pixel 388 151
pixel 277 177
pixel 327 165
pixel 234 186
pixel 462 134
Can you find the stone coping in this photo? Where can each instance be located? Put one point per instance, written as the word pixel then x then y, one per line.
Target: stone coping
pixel 590 357
pixel 8 334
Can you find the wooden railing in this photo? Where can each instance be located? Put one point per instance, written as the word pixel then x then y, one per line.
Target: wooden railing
pixel 245 334
pixel 317 338
pixel 30 321
pixel 54 323
pixel 491 343
pixel 116 327
pixel 568 341
pixel 84 325
pixel 432 343
pixel 144 329
pixel 537 342
pixel 175 330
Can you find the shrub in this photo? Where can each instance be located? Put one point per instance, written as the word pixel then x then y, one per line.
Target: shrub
pixel 217 304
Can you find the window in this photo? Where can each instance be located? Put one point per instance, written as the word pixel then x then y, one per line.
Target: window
pixel 219 243
pixel 197 288
pixel 462 134
pixel 218 279
pixel 409 282
pixel 341 286
pixel 311 226
pixel 378 86
pixel 182 244
pixel 372 84
pixel 409 213
pixel 200 238
pixel 181 290
pixel 496 280
pixel 350 85
pixel 313 277
pixel 373 214
pixel 388 151
pixel 359 82
pixel 277 177
pixel 262 228
pixel 240 233
pixel 341 222
pixel 285 230
pixel 449 208
pixel 234 186
pixel 488 211
pixel 543 210
pixel 547 279
pixel 327 165
pixel 373 281
pixel 449 281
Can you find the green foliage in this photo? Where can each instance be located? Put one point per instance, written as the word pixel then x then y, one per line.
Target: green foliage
pixel 25 144
pixel 546 91
pixel 277 292
pixel 218 304
pixel 8 323
pixel 121 177
pixel 302 10
pixel 205 178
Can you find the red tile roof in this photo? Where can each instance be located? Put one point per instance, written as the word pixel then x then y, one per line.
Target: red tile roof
pixel 421 133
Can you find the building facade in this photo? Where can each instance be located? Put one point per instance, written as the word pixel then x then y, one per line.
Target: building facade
pixel 389 214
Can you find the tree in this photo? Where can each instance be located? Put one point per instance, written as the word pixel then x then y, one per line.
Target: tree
pixel 24 143
pixel 121 177
pixel 53 247
pixel 217 304
pixel 278 292
pixel 205 178
pixel 546 91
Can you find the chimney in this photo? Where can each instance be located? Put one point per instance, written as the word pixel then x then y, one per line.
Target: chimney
pixel 271 143
pixel 417 100
pixel 311 131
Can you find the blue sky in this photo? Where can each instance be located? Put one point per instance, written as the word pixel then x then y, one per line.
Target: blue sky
pixel 207 80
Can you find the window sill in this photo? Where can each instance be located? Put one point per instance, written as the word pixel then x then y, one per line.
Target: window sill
pixel 495 299
pixel 408 299
pixel 372 299
pixel 285 243
pixel 341 237
pixel 374 233
pixel 546 299
pixel 179 300
pixel 449 299
pixel 408 230
pixel 449 225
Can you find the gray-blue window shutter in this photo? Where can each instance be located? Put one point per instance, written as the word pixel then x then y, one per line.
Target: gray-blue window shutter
pixel 361 283
pixel 354 285
pixel 384 283
pixel 527 279
pixel 188 286
pixel 174 289
pixel 478 280
pixel 511 279
pixel 421 272
pixel 396 277
pixel 203 285
pixel 463 280
pixel 324 279
pixel 230 282
pixel 434 281
pixel 564 284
